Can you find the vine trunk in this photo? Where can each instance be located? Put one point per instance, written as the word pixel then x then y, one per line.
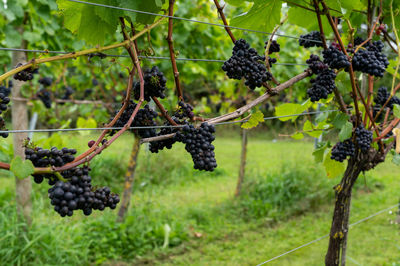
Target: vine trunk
pixel 129 178
pixel 340 222
pixel 19 119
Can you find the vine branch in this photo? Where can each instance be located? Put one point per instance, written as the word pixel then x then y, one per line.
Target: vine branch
pixel 172 51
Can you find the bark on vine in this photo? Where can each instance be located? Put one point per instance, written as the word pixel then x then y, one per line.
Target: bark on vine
pixel 19 117
pixel 129 178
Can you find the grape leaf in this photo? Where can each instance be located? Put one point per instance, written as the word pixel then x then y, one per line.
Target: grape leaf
pixel 319 153
pixel 288 109
pixel 297 135
pixel 254 120
pixel 152 6
pixel 333 168
pixel 236 2
pixel 85 123
pixel 346 130
pixel 256 19
pixel 396 159
pixel 306 19
pixel 340 120
pixel 83 20
pixel 21 169
pixel 396 110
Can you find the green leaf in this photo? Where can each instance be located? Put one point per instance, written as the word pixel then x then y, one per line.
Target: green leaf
pixel 21 169
pixel 235 2
pixel 346 131
pixel 254 120
pixel 333 168
pixel 86 123
pixel 319 153
pixel 298 135
pixel 84 21
pixel 340 120
pixel 256 18
pixel 147 6
pixel 288 109
pixel 13 38
pixel 396 159
pixel 307 19
pixel 396 110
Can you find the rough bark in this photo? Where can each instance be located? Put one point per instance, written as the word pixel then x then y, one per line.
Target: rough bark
pixel 362 161
pixel 129 178
pixel 19 116
pixel 340 222
pixel 242 162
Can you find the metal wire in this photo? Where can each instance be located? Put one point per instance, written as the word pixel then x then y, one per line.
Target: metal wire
pixel 191 20
pixel 325 236
pixel 154 127
pixel 140 56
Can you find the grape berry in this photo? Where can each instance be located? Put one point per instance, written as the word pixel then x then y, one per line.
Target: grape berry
pixel 246 63
pixel 311 39
pixel 342 150
pixel 154 84
pixel 322 86
pixel 198 143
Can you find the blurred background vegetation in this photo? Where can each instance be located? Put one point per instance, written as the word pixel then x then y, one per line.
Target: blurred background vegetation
pixel 180 216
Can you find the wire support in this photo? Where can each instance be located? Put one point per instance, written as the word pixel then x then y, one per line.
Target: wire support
pixel 191 20
pixel 154 127
pixel 325 236
pixel 140 56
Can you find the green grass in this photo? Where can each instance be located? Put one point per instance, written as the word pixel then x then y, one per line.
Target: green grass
pixel 208 225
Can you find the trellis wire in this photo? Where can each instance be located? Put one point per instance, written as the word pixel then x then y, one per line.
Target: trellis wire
pixel 191 20
pixel 140 56
pixel 325 236
pixel 149 127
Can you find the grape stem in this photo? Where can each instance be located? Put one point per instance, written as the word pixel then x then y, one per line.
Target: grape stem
pixel 266 53
pixel 242 110
pixel 222 15
pixel 321 28
pixel 172 50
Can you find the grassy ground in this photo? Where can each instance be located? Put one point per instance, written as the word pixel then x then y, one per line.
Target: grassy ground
pixel 209 226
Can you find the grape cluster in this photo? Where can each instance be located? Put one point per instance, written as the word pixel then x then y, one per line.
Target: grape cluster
pixel 44 158
pixel 45 96
pixel 78 194
pixel 46 81
pixel 363 138
pixel 335 59
pixel 311 39
pixel 371 60
pixel 144 117
pixel 6 90
pixel 245 62
pixel 315 64
pixel 184 110
pixel 273 48
pixel 343 149
pixel 322 85
pixel 67 94
pixel 159 145
pixel 154 84
pixel 4 101
pixel 87 93
pixel 358 40
pixel 198 143
pixel 26 74
pixel 383 95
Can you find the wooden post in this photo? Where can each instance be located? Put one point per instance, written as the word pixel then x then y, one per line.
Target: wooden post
pixel 129 178
pixel 19 116
pixel 242 162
